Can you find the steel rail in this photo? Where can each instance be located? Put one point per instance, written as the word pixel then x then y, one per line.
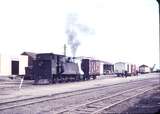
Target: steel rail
pixel 123 100
pixel 101 99
pixel 34 100
pixel 87 89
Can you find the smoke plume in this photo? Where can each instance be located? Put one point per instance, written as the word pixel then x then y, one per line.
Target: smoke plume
pixel 73 28
pixel 73 41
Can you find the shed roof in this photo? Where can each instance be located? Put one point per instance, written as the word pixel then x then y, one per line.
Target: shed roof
pixel 30 54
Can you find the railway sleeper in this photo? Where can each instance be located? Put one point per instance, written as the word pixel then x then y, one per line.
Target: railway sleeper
pixel 94 106
pixel 87 110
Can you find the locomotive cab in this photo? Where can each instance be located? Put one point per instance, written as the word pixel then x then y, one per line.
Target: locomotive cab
pixel 47 67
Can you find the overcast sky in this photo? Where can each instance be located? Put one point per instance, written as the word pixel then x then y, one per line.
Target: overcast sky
pixel 122 30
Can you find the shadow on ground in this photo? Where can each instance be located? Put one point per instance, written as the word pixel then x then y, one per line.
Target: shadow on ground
pixel 147 105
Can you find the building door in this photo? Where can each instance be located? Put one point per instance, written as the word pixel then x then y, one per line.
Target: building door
pixel 15 67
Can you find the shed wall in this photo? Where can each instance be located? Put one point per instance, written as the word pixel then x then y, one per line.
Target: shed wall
pixel 6 66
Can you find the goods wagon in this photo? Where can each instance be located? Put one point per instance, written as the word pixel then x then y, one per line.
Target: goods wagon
pixel 131 69
pixel 91 68
pixel 108 69
pixel 120 68
pixel 125 69
pixel 144 69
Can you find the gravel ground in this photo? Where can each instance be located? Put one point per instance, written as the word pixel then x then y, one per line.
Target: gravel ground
pixel 59 88
pixel 51 106
pixel 41 90
pixel 147 103
pixel 54 105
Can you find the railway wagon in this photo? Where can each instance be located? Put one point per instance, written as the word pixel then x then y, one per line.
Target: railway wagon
pixel 120 68
pixel 125 69
pixel 108 69
pixel 143 69
pixel 91 68
pixel 132 70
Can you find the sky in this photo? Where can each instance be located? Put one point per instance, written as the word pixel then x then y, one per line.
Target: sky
pixel 121 30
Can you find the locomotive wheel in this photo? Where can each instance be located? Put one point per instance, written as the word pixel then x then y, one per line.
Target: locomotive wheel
pixel 83 78
pixel 78 78
pixel 36 82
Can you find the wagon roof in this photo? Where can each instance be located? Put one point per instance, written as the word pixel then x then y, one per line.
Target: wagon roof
pixel 91 58
pixel 143 65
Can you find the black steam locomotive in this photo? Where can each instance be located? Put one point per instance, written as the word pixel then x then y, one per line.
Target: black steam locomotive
pixel 52 68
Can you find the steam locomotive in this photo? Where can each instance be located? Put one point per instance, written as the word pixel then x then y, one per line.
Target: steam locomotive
pixel 50 68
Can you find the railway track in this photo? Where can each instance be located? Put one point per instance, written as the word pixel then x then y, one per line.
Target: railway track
pixel 99 105
pixel 4 85
pixel 10 85
pixel 29 101
pixel 15 85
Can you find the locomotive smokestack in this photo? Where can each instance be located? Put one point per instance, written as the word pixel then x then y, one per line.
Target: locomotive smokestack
pixel 65 49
